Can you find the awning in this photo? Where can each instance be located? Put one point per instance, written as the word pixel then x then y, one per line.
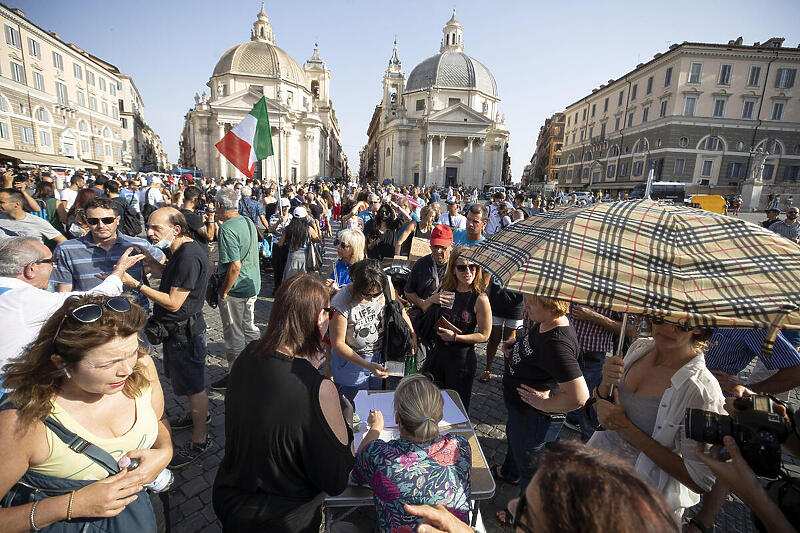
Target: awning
pixel 34 158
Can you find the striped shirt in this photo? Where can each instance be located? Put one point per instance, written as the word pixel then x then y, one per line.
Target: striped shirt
pixel 80 260
pixel 787 230
pixel 731 350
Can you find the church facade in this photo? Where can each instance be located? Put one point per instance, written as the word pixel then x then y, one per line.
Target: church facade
pixel 305 133
pixel 441 125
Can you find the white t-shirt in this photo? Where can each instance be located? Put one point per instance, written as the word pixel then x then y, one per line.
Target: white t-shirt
pixel 455 222
pixel 154 197
pixel 68 195
pixel 30 226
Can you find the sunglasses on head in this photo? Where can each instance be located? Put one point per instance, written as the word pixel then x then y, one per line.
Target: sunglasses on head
pixel 86 314
pixel 463 268
pixel 93 221
pixel 659 320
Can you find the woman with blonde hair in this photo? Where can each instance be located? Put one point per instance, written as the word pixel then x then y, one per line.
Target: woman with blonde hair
pixel 86 376
pixel 544 356
pixel 350 248
pixel 467 321
pixel 421 229
pixel 422 466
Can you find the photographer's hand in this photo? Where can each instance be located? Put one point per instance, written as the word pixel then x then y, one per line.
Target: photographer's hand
pixel 740 478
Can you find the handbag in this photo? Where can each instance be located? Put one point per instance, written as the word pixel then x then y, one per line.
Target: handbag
pixel 313 258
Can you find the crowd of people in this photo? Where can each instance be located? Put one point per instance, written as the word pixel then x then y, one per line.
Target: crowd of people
pixel 98 270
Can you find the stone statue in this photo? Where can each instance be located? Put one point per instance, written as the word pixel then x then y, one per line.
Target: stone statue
pixel 219 89
pixel 497 117
pixel 204 98
pixel 759 158
pixel 503 118
pixel 485 107
pixel 196 98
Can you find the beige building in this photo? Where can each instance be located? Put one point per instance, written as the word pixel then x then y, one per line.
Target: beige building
pixel 441 125
pixel 59 105
pixel 305 132
pixel 546 159
pixel 141 146
pixel 697 114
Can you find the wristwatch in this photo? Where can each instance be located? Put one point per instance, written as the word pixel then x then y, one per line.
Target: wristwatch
pixel 139 286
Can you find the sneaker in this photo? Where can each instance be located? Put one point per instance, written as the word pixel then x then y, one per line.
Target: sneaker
pixel 189 452
pixel 220 384
pixel 185 421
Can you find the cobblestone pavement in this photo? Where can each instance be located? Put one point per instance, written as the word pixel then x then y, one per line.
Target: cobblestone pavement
pixel 191 509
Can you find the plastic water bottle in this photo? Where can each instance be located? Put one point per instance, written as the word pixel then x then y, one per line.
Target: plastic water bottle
pixel 159 484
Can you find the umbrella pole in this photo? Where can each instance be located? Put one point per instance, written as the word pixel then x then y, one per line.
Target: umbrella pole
pixel 620 344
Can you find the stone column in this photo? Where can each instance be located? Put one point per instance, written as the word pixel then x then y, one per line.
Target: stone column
pixel 429 164
pixel 223 163
pixel 498 163
pixel 478 173
pixel 469 179
pixel 287 165
pixel 402 172
pixel 442 142
pixel 309 137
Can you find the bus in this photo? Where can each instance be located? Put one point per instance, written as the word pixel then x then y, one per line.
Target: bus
pixel 661 190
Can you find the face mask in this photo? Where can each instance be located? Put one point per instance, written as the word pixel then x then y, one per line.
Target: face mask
pixel 163 244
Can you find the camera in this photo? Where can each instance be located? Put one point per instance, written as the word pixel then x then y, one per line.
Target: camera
pixel 756 427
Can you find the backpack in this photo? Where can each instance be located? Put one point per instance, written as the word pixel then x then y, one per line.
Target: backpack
pixel 147 208
pixel 397 340
pixel 129 223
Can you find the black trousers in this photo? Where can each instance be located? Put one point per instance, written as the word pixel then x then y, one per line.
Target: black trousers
pixel 453 366
pixel 279 256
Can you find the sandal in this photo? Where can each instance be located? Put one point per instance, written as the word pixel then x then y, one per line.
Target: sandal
pixel 693 521
pixel 505 517
pixel 485 376
pixel 496 473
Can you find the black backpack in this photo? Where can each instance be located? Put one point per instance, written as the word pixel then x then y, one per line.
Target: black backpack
pixel 397 340
pixel 147 208
pixel 129 222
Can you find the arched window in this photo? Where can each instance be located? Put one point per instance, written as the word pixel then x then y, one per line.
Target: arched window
pixel 712 143
pixel 570 159
pixel 83 125
pixel 106 132
pixel 42 115
pixel 641 146
pixel 315 88
pixel 587 156
pixel 613 151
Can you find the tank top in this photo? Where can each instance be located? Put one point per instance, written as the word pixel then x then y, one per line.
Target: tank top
pixel 462 315
pixel 66 464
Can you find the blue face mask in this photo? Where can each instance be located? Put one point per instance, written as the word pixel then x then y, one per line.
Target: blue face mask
pixel 163 244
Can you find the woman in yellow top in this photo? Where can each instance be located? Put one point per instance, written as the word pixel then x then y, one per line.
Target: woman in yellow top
pixel 88 372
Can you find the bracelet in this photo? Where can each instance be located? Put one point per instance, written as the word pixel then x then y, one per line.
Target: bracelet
pixel 454 336
pixel 597 392
pixel 139 286
pixel 69 508
pixel 33 510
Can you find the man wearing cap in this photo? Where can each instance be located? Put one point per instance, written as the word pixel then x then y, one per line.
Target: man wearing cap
pixel 772 216
pixel 452 218
pixel 277 223
pixel 154 195
pixel 788 227
pixel 240 274
pixel 428 271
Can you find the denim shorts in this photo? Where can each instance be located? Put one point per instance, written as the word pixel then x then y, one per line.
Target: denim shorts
pixel 185 363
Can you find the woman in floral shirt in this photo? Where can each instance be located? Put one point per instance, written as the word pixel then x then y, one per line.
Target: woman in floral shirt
pixel 422 466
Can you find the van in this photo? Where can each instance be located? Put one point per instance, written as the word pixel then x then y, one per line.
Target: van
pixel 713 203
pixel 491 189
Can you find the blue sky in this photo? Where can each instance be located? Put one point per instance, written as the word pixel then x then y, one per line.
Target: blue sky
pixel 544 55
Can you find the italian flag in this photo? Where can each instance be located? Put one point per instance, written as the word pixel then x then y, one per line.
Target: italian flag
pixel 249 141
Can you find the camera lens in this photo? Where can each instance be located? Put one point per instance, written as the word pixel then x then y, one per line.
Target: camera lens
pixel 706 426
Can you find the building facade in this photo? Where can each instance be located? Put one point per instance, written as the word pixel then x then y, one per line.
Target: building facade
pixel 141 146
pixel 696 114
pixel 59 105
pixel 441 126
pixel 305 132
pixel 547 157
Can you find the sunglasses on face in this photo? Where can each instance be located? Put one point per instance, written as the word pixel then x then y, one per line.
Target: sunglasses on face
pixel 86 314
pixel 341 244
pixel 50 260
pixel 658 321
pixel 372 296
pixel 93 221
pixel 463 268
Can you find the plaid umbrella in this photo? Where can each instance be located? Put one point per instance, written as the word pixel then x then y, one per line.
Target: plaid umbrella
pixel 687 266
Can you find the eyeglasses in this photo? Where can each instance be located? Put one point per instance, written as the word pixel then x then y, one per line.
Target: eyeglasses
pixel 93 221
pixel 522 508
pixel 659 320
pixel 341 244
pixel 86 314
pixel 330 311
pixel 372 296
pixel 463 268
pixel 50 260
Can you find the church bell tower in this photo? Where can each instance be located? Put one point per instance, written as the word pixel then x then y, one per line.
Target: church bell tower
pixel 394 82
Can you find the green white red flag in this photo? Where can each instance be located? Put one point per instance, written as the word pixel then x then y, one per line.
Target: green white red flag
pixel 249 141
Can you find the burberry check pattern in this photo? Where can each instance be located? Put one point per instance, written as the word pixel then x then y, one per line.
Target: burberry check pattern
pixel 641 257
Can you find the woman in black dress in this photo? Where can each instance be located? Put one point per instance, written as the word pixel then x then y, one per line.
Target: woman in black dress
pixel 286 440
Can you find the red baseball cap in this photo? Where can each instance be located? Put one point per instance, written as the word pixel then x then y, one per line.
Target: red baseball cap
pixel 441 236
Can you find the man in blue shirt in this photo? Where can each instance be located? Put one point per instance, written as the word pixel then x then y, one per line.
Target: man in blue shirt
pixel 79 261
pixel 368 214
pixel 476 224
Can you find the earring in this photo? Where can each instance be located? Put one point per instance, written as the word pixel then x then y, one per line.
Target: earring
pixel 66 373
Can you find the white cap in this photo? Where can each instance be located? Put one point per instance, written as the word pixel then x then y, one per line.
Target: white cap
pixel 300 212
pixel 156 180
pixel 285 202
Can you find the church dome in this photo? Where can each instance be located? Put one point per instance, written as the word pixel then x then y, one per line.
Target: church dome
pixel 260 58
pixel 453 69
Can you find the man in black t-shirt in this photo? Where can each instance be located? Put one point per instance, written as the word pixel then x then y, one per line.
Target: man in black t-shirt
pixel 428 271
pixel 178 307
pixel 201 225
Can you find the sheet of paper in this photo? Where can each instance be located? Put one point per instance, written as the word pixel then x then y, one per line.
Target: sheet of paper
pixel 451 414
pixel 386 435
pixel 384 402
